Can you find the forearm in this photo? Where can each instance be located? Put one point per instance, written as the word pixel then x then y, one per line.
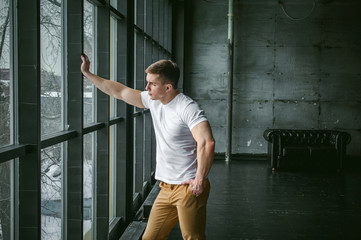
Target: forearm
pixel 205 155
pixel 108 87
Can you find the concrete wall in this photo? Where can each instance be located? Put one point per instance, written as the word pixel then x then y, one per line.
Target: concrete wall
pixel 303 74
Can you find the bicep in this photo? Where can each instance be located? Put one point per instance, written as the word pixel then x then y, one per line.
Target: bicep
pixel 130 96
pixel 133 97
pixel 202 132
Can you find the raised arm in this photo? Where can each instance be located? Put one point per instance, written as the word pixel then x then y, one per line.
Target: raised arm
pixel 114 89
pixel 202 133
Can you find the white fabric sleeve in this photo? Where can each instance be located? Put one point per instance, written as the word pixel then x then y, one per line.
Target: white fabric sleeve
pixel 193 114
pixel 145 98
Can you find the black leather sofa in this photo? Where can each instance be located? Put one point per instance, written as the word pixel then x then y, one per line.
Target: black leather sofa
pixel 311 150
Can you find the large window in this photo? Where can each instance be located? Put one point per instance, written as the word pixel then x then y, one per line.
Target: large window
pixel 51 67
pixel 64 145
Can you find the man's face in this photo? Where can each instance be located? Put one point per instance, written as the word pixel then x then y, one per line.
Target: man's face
pixel 156 89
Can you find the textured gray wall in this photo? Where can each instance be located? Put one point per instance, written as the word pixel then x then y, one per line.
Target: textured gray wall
pixel 302 74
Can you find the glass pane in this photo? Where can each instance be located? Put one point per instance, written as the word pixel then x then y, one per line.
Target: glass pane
pixel 139 62
pixel 89 90
pixel 138 154
pixel 6 185
pixel 169 46
pixel 113 62
pixel 112 171
pixel 139 70
pixel 148 5
pixel 155 20
pixel 147 147
pixel 51 191
pixel 139 13
pixel 5 76
pixel 51 66
pixel 88 164
pixel 161 23
pixel 113 3
pixel 155 54
pixel 135 66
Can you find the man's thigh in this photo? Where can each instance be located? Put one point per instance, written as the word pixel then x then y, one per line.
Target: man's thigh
pixel 192 213
pixel 162 218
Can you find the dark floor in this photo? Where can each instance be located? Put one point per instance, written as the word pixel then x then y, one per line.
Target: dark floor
pixel 248 201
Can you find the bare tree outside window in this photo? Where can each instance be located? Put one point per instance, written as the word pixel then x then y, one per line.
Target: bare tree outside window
pixel 4 27
pixel 5 201
pixel 51 184
pixel 51 74
pixel 5 119
pixel 51 116
pixel 5 84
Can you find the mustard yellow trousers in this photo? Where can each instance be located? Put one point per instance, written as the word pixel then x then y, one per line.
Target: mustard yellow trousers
pixel 177 202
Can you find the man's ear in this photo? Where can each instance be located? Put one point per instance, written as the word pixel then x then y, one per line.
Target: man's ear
pixel 169 87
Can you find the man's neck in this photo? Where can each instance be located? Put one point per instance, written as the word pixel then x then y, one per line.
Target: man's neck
pixel 169 97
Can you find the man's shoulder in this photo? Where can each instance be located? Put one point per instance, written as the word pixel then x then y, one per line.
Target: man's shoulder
pixel 190 112
pixel 185 100
pixel 186 105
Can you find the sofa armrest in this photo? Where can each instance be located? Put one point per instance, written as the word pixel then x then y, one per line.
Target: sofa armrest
pixel 267 134
pixel 341 139
pixel 273 137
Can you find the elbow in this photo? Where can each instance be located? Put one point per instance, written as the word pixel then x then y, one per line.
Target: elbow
pixel 206 146
pixel 211 144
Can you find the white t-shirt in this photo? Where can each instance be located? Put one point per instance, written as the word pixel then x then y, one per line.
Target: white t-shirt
pixel 176 147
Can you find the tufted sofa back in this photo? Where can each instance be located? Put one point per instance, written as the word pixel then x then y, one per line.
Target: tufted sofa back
pixel 306 137
pixel 306 149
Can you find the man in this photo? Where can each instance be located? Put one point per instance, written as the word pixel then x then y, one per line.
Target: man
pixel 185 149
